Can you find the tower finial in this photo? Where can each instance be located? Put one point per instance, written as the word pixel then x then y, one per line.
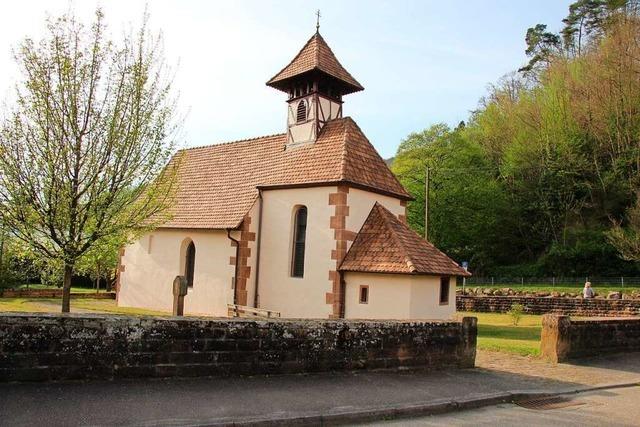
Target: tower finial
pixel 318 20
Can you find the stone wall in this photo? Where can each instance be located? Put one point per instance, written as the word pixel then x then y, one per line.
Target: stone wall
pixel 38 347
pixel 564 338
pixel 543 305
pixel 52 293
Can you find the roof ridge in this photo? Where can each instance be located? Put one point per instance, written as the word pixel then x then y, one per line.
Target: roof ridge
pixel 337 60
pixel 218 144
pixel 375 151
pixel 385 217
pixel 343 154
pixel 294 58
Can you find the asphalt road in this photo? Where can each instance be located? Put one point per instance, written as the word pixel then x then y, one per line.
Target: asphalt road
pixel 617 407
pixel 206 401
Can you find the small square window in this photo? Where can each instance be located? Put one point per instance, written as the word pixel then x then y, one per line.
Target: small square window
pixel 444 290
pixel 364 294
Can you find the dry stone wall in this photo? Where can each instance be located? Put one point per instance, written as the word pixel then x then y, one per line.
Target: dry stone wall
pixel 36 347
pixel 564 338
pixel 543 305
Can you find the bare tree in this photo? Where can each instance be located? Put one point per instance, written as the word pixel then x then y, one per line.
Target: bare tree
pixel 83 149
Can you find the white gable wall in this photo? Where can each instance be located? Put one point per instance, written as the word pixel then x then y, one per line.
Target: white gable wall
pixel 153 261
pixel 397 296
pixel 360 203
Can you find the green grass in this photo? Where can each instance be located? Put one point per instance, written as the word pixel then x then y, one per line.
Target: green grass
pixel 603 290
pixel 496 332
pixel 49 305
pixel 74 289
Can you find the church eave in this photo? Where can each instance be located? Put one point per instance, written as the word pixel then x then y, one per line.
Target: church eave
pixel 284 84
pixel 352 184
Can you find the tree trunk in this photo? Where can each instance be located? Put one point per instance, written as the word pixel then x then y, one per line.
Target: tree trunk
pixel 66 288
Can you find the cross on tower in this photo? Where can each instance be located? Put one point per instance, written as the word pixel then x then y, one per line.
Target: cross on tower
pixel 318 19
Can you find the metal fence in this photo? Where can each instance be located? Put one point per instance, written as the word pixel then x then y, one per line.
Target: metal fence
pixel 551 281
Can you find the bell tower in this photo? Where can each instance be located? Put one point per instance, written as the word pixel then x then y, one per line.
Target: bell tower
pixel 315 82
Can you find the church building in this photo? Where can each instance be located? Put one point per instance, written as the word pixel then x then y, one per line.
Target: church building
pixel 310 223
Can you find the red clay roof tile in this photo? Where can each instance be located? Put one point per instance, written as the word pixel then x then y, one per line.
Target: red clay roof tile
pixel 316 55
pixel 217 184
pixel 387 245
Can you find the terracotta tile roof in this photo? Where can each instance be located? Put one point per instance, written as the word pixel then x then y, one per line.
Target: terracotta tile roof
pixel 385 244
pixel 316 55
pixel 217 184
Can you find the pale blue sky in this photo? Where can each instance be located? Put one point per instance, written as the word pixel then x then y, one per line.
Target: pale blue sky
pixel 421 62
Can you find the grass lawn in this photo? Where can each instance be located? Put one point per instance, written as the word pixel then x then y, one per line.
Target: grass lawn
pixel 602 290
pixel 496 332
pixel 78 305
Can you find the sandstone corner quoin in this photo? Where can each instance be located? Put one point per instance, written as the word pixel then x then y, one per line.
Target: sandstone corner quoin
pixel 69 347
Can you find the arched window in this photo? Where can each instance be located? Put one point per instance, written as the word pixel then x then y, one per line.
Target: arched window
pixel 190 263
pixel 301 114
pixel 299 237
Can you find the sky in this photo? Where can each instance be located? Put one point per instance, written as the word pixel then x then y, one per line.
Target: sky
pixel 421 62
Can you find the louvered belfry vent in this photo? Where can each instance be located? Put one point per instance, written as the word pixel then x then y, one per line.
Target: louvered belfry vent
pixel 301 114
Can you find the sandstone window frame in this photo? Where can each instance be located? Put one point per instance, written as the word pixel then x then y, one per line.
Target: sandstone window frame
pixel 298 247
pixel 363 294
pixel 445 290
pixel 189 261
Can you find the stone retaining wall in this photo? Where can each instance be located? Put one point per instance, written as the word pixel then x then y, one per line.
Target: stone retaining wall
pixel 564 338
pixel 543 305
pixel 52 293
pixel 38 347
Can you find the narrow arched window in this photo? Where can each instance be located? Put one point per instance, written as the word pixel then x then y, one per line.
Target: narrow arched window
pixel 301 114
pixel 190 263
pixel 299 237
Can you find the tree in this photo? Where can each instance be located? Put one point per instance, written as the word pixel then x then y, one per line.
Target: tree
pixel 627 239
pixel 101 261
pixel 83 148
pixel 541 46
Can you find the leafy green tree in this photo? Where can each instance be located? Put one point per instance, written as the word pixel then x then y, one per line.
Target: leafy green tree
pixel 465 198
pixel 101 261
pixel 541 46
pixel 83 147
pixel 532 182
pixel 627 238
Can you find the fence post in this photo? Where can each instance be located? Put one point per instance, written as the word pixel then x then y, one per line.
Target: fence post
pixel 522 280
pixel 492 281
pixel 553 281
pixel 622 280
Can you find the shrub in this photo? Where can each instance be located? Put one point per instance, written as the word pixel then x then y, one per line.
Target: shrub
pixel 516 312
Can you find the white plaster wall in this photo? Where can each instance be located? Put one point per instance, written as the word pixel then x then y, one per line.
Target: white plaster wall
pixel 389 296
pixel 149 272
pixel 425 298
pixel 360 203
pixel 291 296
pixel 328 109
pixel 397 296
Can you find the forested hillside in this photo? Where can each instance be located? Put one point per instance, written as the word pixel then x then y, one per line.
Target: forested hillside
pixel 543 177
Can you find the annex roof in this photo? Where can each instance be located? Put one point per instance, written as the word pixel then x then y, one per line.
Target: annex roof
pixel 218 184
pixel 385 244
pixel 315 55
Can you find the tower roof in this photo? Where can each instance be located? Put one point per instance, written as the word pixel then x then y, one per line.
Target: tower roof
pixel 315 56
pixel 385 244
